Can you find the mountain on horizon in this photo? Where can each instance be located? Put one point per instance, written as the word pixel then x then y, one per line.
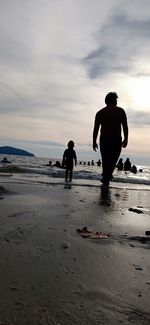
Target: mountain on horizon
pixel 7 150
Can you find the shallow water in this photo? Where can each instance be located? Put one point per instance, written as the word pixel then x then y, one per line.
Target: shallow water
pixel 34 168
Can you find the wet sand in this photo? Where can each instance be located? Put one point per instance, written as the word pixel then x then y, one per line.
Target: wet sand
pixel 50 274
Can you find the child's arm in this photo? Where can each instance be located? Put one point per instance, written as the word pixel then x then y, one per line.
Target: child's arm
pixel 64 159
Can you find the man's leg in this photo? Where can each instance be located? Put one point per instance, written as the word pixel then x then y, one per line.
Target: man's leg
pixel 104 149
pixel 114 157
pixel 110 152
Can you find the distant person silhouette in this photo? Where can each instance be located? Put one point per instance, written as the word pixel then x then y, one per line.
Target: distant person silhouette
pixel 120 164
pixel 111 120
pixel 57 164
pixel 98 163
pixel 127 165
pixel 5 160
pixel 69 158
pixel 49 163
pixel 134 169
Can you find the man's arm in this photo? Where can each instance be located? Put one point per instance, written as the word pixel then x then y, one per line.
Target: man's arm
pixel 125 130
pixel 75 158
pixel 95 131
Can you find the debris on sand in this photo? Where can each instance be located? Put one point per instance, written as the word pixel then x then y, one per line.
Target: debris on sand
pixel 141 239
pixel 136 210
pixel 138 268
pixel 65 245
pixel 84 232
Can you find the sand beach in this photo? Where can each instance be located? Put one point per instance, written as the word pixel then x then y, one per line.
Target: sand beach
pixel 51 275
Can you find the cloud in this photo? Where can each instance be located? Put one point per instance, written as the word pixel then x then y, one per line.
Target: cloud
pixel 45 92
pixel 138 118
pixel 32 142
pixel 121 43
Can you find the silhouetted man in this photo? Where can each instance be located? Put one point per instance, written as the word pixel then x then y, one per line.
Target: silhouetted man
pixel 111 120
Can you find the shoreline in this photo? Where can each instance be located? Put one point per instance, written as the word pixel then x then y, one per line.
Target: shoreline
pixel 49 180
pixel 51 275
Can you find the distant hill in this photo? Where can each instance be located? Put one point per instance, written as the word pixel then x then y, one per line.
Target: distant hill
pixel 6 150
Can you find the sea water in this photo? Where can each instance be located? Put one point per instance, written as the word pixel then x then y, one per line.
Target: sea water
pixel 35 169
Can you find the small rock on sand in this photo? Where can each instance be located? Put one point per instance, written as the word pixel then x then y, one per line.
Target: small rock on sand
pixel 136 210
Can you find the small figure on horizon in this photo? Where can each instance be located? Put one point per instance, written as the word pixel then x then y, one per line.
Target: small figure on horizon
pixel 69 157
pixel 127 165
pixel 57 164
pixel 92 162
pixel 5 160
pixel 111 120
pixel 98 162
pixel 134 169
pixel 88 163
pixel 120 164
pixel 49 163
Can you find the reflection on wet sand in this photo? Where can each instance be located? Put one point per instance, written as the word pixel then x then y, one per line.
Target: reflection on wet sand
pixel 106 196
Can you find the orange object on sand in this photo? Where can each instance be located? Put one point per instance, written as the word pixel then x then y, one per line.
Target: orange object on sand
pixel 84 232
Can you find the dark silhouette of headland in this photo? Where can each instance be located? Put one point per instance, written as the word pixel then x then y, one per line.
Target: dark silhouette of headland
pixel 7 150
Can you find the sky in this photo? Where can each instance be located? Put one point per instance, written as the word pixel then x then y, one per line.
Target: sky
pixel 59 59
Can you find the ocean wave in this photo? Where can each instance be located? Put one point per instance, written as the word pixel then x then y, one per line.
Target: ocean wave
pixel 80 174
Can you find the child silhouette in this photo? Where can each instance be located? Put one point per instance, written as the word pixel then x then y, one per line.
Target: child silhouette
pixel 69 157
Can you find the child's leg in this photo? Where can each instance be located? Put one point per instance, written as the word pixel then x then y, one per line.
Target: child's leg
pixel 70 178
pixel 66 175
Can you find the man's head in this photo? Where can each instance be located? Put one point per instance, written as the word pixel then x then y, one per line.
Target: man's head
pixel 111 98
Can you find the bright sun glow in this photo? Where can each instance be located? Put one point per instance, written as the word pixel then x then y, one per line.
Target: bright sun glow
pixel 139 92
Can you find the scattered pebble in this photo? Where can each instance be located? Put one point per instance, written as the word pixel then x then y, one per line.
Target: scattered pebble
pixel 138 268
pixel 136 210
pixel 14 288
pixel 121 242
pixel 7 239
pixel 65 245
pixel 19 304
pixel 131 245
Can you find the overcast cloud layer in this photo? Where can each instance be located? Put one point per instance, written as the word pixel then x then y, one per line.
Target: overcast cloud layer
pixel 58 59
